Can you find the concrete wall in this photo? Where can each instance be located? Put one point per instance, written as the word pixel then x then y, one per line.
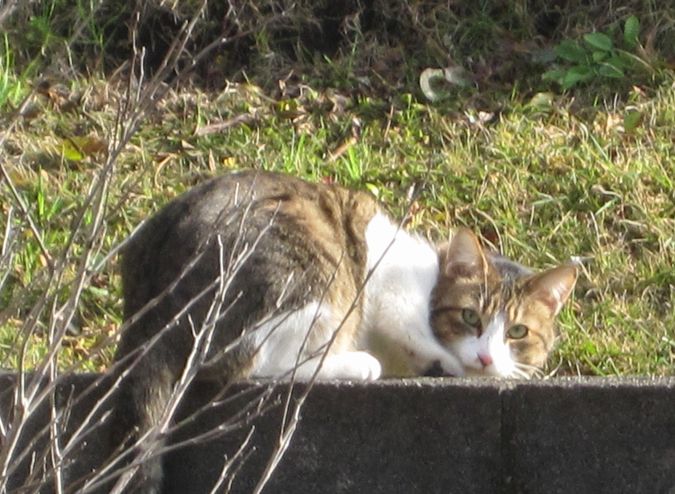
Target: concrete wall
pixel 591 435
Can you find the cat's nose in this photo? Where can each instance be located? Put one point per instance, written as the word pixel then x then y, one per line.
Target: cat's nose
pixel 485 359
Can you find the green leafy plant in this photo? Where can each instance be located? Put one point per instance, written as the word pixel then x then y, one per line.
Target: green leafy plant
pixel 598 57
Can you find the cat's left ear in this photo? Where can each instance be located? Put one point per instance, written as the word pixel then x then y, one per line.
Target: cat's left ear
pixel 553 287
pixel 464 255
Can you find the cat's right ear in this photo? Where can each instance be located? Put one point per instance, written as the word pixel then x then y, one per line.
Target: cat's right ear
pixel 464 255
pixel 553 286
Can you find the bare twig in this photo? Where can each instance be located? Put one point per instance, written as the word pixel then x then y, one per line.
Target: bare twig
pixel 243 119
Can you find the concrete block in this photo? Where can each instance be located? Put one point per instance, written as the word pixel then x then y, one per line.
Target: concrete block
pixel 391 436
pixel 67 412
pixel 591 435
pixel 566 435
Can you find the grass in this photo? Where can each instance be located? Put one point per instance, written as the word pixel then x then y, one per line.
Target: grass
pixel 542 175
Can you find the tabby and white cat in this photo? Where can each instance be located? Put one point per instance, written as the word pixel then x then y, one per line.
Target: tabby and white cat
pixel 289 277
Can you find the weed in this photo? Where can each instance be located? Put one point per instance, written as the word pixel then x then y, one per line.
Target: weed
pixel 12 89
pixel 598 57
pixel 542 178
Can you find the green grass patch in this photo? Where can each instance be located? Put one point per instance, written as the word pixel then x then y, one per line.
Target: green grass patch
pixel 541 174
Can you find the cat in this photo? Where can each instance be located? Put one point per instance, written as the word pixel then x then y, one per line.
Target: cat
pixel 261 275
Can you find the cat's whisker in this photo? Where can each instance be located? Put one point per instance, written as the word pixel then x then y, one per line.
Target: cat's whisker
pixel 528 371
pixel 523 365
pixel 552 370
pixel 520 374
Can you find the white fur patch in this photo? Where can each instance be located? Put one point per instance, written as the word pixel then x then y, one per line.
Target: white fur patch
pixel 397 296
pixel 280 341
pixel 558 291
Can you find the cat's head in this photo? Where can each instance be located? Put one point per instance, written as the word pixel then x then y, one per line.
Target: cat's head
pixel 495 315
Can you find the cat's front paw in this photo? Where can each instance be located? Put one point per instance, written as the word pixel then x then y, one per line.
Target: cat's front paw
pixel 358 366
pixel 437 370
pixel 445 366
pixel 363 366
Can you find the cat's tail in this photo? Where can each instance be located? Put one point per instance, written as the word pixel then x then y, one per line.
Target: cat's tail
pixel 144 407
pixel 153 381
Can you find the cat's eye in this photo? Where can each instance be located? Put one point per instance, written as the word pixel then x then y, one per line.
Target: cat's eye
pixel 471 317
pixel 517 332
